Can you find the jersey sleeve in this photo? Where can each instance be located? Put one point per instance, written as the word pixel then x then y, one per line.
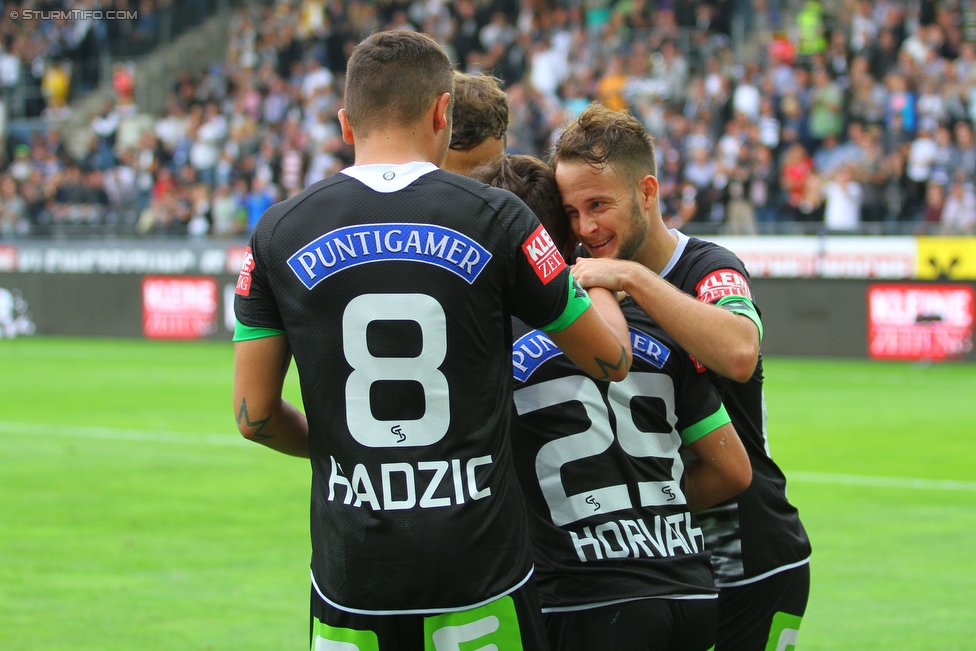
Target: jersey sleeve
pixel 730 288
pixel 698 405
pixel 545 296
pixel 255 308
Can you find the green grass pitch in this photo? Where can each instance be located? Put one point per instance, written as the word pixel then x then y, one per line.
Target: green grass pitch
pixel 132 515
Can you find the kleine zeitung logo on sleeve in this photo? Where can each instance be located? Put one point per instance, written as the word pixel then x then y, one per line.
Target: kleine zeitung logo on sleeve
pixel 543 255
pixel 244 280
pixel 724 282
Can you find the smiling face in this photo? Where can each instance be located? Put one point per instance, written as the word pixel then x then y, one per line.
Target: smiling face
pixel 607 215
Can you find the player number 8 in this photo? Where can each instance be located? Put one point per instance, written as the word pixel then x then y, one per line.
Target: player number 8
pixel 423 369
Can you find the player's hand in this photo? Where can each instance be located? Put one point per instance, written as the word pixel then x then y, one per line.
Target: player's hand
pixel 604 272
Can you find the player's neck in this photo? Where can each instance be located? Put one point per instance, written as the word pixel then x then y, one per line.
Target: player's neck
pixel 398 146
pixel 659 247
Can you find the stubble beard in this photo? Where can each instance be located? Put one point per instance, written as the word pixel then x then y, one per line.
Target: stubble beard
pixel 634 242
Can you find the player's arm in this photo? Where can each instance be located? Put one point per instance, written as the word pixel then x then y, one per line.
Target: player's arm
pixel 721 471
pixel 726 342
pixel 598 341
pixel 263 416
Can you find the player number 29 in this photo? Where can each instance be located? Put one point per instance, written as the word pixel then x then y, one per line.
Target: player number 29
pixel 423 369
pixel 566 509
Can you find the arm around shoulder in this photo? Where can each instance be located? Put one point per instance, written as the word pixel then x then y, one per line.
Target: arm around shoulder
pixel 598 341
pixel 722 470
pixel 725 342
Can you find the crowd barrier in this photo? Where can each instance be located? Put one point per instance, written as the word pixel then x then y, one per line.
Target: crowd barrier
pixel 884 298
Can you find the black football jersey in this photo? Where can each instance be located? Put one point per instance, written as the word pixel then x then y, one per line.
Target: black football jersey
pixel 759 532
pixel 601 468
pixel 395 287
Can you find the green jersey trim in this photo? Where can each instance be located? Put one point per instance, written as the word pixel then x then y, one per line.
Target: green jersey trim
pixel 745 307
pixel 705 426
pixel 247 333
pixel 576 304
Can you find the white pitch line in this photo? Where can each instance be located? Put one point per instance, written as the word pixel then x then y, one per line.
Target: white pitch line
pixel 228 439
pixel 882 482
pixel 120 434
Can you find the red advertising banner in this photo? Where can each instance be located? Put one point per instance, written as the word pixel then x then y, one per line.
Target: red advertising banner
pixel 179 307
pixel 914 322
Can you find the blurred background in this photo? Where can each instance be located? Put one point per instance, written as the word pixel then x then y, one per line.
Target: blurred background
pixel 830 144
pixel 172 118
pixel 815 139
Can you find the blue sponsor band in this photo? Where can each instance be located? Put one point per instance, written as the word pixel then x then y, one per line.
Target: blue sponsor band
pixel 530 352
pixel 648 348
pixel 355 245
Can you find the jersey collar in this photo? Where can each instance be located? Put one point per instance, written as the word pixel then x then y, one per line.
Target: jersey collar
pixel 678 252
pixel 386 178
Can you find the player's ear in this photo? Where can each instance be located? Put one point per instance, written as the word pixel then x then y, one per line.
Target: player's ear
pixel 649 190
pixel 347 135
pixel 442 113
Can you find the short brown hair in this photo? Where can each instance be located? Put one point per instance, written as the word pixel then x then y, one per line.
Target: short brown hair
pixel 532 181
pixel 602 137
pixel 393 78
pixel 480 110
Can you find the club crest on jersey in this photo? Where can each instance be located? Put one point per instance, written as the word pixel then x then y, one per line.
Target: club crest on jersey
pixel 244 280
pixel 530 352
pixel 724 282
pixel 648 348
pixel 351 246
pixel 543 255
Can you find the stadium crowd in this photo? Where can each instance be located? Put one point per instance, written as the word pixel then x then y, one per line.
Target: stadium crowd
pixel 57 51
pixel 770 116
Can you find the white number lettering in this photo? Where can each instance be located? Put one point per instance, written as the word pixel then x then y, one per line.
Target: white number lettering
pixel 566 509
pixel 661 445
pixel 367 369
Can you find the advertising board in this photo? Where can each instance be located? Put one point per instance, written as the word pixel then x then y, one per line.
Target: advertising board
pixel 916 322
pixel 179 307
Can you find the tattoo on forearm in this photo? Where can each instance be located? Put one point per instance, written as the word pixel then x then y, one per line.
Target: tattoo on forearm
pixel 606 366
pixel 242 416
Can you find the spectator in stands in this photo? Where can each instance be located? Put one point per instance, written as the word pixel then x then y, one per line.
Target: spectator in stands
pixel 56 84
pixel 225 213
pixel 964 153
pixel 958 215
pixel 22 166
pixel 826 107
pixel 934 202
pixel 796 167
pixel 104 126
pixel 13 209
pixel 843 196
pixel 898 201
pixel 921 160
pixel 764 189
pixel 870 173
pixel 740 211
pixel 609 88
pixel 901 102
pixel 269 108
pixel 121 187
pixel 811 206
pixel 260 198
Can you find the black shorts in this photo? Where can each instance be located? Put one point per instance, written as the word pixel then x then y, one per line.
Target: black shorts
pixel 511 623
pixel 765 614
pixel 640 625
